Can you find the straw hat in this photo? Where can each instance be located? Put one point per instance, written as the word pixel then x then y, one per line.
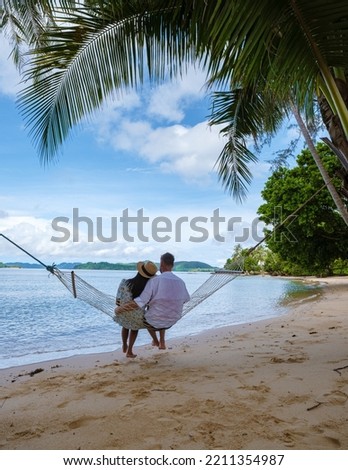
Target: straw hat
pixel 146 268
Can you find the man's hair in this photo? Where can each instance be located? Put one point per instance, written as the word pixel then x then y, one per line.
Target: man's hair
pixel 168 259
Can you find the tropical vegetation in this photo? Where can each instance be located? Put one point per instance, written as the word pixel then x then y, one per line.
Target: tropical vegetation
pixel 306 234
pixel 263 261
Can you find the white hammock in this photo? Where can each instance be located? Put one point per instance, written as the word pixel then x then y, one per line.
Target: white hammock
pixel 84 291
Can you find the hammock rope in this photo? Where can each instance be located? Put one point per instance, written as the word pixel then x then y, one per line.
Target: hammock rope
pixel 216 281
pixel 106 303
pixel 84 291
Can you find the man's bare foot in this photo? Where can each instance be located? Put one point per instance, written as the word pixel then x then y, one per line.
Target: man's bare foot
pixel 131 355
pixel 125 348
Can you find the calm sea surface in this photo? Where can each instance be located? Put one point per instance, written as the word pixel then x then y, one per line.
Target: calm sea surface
pixel 40 319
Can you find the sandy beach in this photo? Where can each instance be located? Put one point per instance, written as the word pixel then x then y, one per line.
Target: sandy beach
pixel 277 384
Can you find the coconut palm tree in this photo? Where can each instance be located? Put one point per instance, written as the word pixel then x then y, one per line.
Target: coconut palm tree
pixel 289 50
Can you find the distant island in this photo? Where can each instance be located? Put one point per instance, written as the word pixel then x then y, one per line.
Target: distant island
pixel 191 266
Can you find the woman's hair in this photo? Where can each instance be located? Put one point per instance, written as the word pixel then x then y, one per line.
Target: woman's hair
pixel 137 284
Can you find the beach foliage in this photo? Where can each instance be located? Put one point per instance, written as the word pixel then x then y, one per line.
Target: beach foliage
pixel 315 236
pixel 262 58
pixel 251 262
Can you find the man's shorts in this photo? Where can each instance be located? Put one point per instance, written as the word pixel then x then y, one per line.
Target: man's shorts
pixel 150 327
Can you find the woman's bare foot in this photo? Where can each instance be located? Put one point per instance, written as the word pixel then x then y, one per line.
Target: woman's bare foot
pixel 162 346
pixel 155 343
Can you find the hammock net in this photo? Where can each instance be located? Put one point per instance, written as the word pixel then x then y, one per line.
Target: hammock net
pixel 84 291
pixel 106 303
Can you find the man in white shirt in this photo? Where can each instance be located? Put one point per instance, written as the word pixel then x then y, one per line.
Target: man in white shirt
pixel 163 297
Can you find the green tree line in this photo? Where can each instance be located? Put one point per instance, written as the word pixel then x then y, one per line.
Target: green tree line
pixel 304 234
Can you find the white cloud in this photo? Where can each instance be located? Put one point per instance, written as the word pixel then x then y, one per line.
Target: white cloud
pixel 27 232
pixel 183 237
pixel 130 135
pixel 190 151
pixel 168 101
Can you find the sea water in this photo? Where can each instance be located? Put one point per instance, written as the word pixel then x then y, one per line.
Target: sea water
pixel 40 320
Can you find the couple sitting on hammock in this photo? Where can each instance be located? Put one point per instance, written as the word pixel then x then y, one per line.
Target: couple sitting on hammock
pixel 150 301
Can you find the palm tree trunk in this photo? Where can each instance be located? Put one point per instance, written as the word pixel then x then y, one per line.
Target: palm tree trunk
pixel 332 190
pixel 336 132
pixel 332 121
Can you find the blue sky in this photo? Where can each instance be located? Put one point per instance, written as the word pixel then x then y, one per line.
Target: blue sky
pixel 149 154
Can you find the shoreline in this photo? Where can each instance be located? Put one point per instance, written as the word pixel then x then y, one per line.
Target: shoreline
pixel 30 360
pixel 277 383
pixel 85 355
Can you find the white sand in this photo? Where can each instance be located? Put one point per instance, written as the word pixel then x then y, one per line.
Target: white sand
pixel 275 384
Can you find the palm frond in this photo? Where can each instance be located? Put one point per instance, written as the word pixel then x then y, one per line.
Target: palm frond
pixel 233 167
pixel 24 22
pixel 246 115
pixel 92 58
